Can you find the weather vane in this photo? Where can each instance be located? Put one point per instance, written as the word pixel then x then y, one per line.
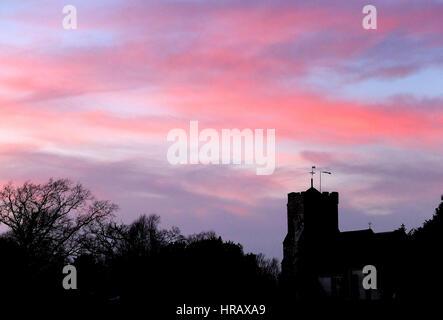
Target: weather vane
pixel 327 172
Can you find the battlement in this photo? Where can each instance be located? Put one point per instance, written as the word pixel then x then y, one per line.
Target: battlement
pixel 299 196
pixel 317 212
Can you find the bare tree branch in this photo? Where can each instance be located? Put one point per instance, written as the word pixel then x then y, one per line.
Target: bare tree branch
pixel 52 218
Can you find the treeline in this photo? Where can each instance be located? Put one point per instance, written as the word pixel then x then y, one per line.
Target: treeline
pixel 47 226
pixel 58 223
pixel 423 263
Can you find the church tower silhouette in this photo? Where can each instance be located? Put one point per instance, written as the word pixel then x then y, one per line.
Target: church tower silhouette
pixel 312 230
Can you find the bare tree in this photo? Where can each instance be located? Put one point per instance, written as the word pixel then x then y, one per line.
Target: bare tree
pixel 171 236
pixel 141 238
pixel 268 267
pixel 109 239
pixel 205 235
pixel 143 235
pixel 52 218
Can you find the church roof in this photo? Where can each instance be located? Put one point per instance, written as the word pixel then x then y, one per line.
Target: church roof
pixel 366 234
pixel 357 235
pixel 312 190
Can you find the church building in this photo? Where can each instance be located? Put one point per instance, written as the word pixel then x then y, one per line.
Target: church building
pixel 319 261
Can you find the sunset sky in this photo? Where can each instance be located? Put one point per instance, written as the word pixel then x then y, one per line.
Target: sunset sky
pixel 96 104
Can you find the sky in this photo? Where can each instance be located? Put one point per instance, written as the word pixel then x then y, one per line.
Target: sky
pixel 95 105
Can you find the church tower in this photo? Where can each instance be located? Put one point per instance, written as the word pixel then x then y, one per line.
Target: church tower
pixel 312 230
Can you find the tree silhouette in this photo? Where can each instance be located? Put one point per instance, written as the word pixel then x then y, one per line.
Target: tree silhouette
pixel 432 229
pixel 52 219
pixel 425 259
